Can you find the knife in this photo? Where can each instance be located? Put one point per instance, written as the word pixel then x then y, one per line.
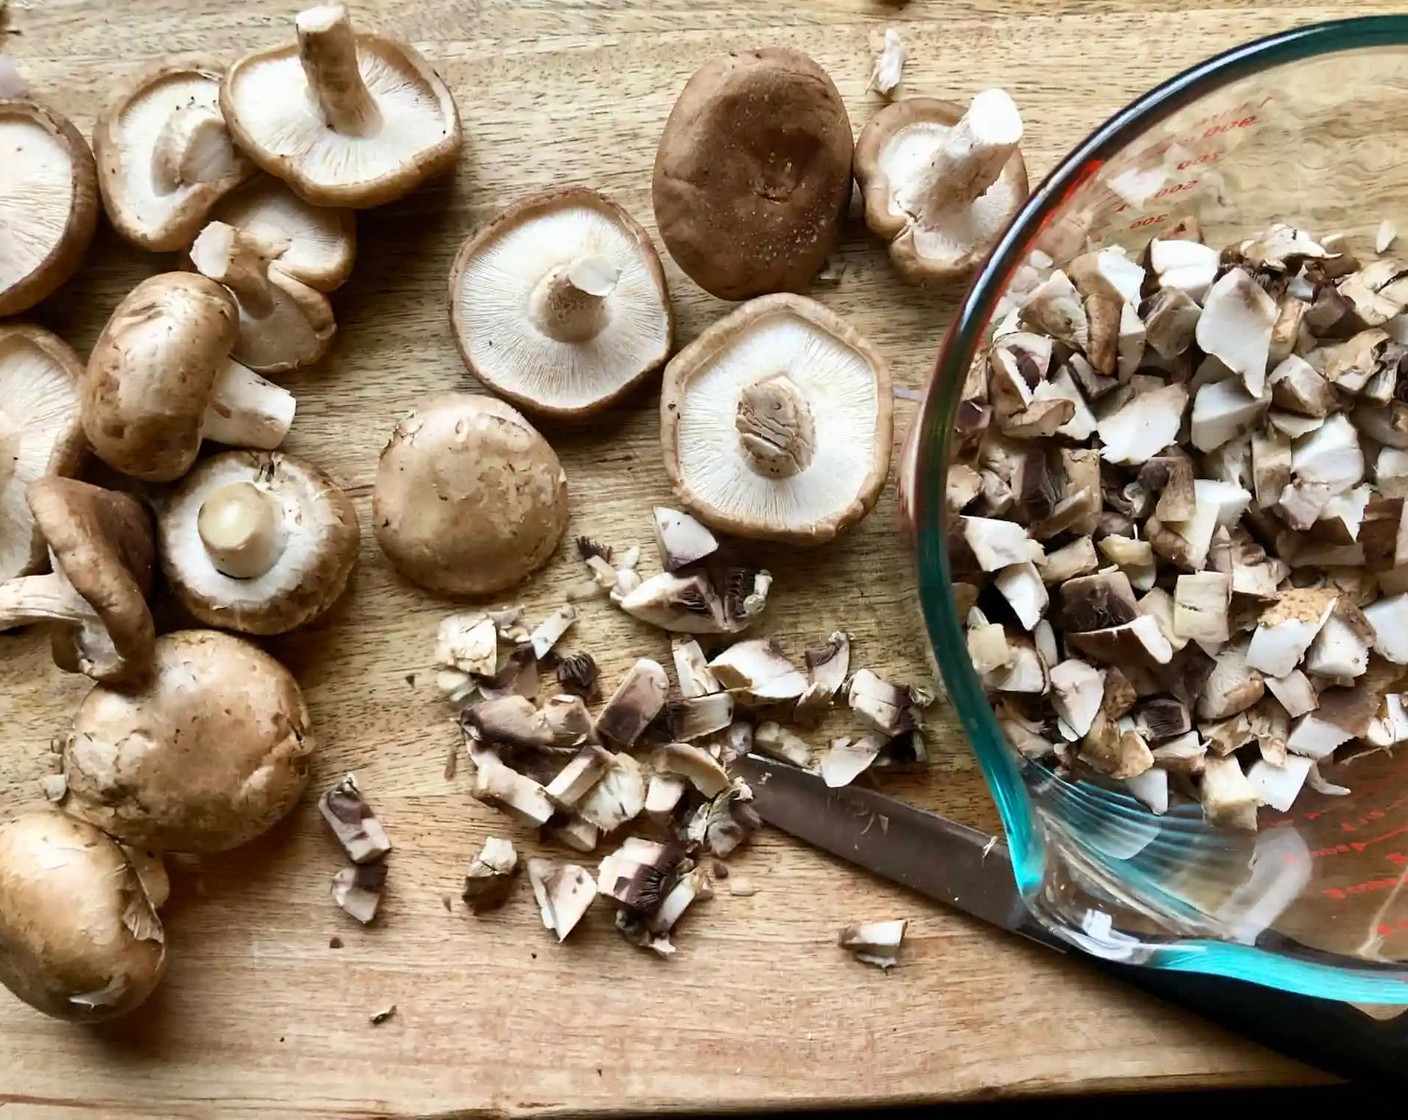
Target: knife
pixel 970 870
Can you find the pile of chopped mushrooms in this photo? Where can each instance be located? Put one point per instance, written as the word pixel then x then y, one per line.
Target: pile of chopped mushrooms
pixel 1177 516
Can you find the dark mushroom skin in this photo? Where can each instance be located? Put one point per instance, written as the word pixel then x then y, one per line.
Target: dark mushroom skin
pixel 753 173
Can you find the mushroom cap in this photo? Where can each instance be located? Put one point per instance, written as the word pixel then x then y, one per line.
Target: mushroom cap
pixel 40 434
pixel 319 242
pixel 100 541
pixel 499 270
pixel 48 203
pixel 152 372
pixel 210 752
pixel 309 575
pixel 753 173
pixel 162 126
pixel 846 384
pixel 273 117
pixel 79 938
pixel 469 497
pixel 892 150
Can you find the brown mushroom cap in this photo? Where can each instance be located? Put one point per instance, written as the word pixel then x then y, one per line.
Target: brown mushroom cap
pixel 316 245
pixel 776 422
pixel 346 119
pixel 469 497
pixel 160 379
pixel 164 154
pixel 753 173
pixel 560 305
pixel 941 207
pixel 209 753
pixel 100 543
pixel 79 938
pixel 257 542
pixel 40 434
pixel 48 203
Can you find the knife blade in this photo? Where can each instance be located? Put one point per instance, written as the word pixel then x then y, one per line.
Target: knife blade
pixel 970 870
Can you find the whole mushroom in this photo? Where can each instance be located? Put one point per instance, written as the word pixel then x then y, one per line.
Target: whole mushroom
pixel 283 323
pixel 48 203
pixel 211 751
pixel 753 173
pixel 257 542
pixel 164 155
pixel 160 379
pixel 939 182
pixel 560 304
pixel 315 245
pixel 101 550
pixel 79 937
pixel 345 118
pixel 469 498
pixel 40 434
pixel 776 422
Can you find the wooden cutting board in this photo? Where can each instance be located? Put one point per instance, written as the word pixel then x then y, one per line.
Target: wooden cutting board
pixel 258 1015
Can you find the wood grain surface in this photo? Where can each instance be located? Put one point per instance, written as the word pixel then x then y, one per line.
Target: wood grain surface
pixel 258 1015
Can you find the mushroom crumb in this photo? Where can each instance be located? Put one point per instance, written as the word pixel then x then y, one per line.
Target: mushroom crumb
pixel 1246 432
pixel 876 943
pixel 353 822
pixel 490 877
pixel 379 1017
pixel 357 889
pixel 889 64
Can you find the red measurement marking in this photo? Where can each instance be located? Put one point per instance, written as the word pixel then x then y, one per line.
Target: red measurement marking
pixel 1369 886
pixel 1230 126
pixel 1398 859
pixel 1383 929
pixel 1201 160
pixel 1151 220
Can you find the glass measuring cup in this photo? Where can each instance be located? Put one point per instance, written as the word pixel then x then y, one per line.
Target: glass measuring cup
pixel 1309 127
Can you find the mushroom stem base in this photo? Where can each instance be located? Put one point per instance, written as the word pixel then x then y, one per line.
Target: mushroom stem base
pixel 246 410
pixel 569 304
pixel 970 160
pixel 327 47
pixel 242 529
pixel 775 427
pixel 46 598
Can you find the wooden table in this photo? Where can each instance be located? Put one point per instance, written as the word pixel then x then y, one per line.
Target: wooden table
pixel 258 1015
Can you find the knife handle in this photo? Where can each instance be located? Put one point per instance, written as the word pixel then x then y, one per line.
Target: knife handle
pixel 1329 1035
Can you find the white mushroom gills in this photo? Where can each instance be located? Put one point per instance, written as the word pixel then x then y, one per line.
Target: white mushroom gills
pixel 242 528
pixel 327 47
pixel 44 598
pixel 569 303
pixel 970 159
pixel 775 427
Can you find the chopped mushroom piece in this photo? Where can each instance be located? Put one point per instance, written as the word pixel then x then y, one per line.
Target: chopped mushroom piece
pixel 1233 685
pixel 575 780
pixel 758 672
pixel 1189 266
pixel 1200 604
pixel 357 889
pixel 490 877
pixel 744 410
pixel 164 156
pixel 1075 559
pixel 997 544
pixel 772 739
pixel 845 759
pixel 638 699
pixel 577 674
pixel 1277 786
pixel 1229 799
pixel 695 717
pixel 513 793
pixel 313 244
pixel 889 66
pixel 1077 694
pixel 48 202
pixel 885 707
pixel 683 605
pixel 690 886
pixel 550 631
pixel 1184 755
pixel 469 643
pixel 1341 647
pixel 663 796
pixel 1224 411
pixel 726 822
pixel 680 539
pixel 697 766
pixel 692 669
pixel 347 119
pixel 560 305
pixel 1148 422
pixel 564 893
pixel 1170 322
pixel 1389 619
pixel 353 822
pixel 1235 327
pixel 617 798
pixel 940 182
pixel 876 943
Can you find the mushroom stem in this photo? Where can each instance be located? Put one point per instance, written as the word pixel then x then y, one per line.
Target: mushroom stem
pixel 232 257
pixel 327 47
pixel 569 303
pixel 46 598
pixel 971 158
pixel 192 147
pixel 246 410
pixel 775 427
pixel 242 528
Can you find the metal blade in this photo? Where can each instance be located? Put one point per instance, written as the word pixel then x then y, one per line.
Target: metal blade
pixel 947 861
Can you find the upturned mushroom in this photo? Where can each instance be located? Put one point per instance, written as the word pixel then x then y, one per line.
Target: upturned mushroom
pixel 469 498
pixel 753 173
pixel 79 936
pixel 283 323
pixel 257 542
pixel 48 200
pixel 164 155
pixel 560 305
pixel 40 434
pixel 100 548
pixel 315 245
pixel 345 118
pixel 160 380
pixel 776 422
pixel 940 182
pixel 211 751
